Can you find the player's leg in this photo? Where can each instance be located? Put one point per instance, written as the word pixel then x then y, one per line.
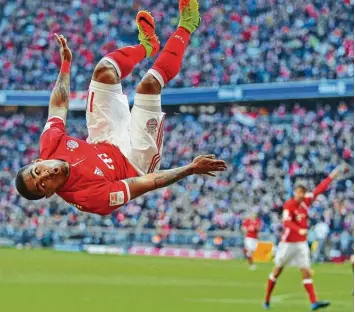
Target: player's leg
pixel 118 64
pixel 108 115
pixel 168 64
pixel 250 245
pixel 271 282
pixel 352 266
pixel 147 118
pixel 303 261
pixel 285 252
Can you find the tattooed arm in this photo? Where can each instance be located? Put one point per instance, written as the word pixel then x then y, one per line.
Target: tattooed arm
pixel 201 165
pixel 59 101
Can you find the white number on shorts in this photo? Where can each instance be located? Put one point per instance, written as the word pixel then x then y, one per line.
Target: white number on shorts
pixel 107 160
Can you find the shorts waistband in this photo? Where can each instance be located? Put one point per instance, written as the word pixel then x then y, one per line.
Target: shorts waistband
pixel 108 87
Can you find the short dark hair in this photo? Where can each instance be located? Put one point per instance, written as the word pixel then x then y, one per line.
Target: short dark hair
pixel 22 187
pixel 302 187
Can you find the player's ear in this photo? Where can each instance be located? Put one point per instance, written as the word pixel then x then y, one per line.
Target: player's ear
pixel 49 194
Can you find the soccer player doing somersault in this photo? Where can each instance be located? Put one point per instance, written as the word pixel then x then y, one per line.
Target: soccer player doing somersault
pixel 121 156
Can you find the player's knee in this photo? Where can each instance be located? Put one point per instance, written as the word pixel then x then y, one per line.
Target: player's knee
pixel 149 85
pixel 306 272
pixel 106 73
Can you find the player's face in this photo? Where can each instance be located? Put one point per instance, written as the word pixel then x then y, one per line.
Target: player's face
pixel 43 177
pixel 299 194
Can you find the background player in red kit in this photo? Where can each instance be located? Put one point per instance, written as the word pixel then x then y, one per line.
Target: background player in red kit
pixel 120 159
pixel 293 246
pixel 251 226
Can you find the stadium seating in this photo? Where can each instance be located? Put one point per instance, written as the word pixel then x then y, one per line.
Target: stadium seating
pixel 237 42
pixel 266 159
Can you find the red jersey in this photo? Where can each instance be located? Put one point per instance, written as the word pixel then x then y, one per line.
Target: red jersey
pixel 96 173
pixel 252 227
pixel 295 214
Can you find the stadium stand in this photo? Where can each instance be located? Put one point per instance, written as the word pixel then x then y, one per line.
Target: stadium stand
pixel 238 42
pixel 267 158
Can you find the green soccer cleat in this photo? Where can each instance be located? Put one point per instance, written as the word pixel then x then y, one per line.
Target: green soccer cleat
pixel 189 15
pixel 147 37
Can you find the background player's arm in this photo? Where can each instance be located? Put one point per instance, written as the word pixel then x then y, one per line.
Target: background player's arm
pixel 150 182
pixel 323 186
pixel 59 101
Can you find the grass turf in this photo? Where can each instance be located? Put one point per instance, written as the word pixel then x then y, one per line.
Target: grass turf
pixel 42 281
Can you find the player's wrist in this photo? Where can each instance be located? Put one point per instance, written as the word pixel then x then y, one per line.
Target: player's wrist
pixel 65 67
pixel 190 169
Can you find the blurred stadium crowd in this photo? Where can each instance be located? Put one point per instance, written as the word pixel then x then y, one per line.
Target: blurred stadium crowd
pixel 238 42
pixel 268 153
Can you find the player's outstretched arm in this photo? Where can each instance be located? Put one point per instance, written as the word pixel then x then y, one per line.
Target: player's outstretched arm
pixel 59 101
pixel 205 164
pixel 323 186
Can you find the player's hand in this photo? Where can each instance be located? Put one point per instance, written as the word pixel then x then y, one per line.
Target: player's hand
pixel 207 164
pixel 64 50
pixel 303 232
pixel 345 168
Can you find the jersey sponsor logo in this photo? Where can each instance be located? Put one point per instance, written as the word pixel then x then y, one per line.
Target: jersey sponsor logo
pixel 98 172
pixel 72 145
pixel 152 125
pixel 117 198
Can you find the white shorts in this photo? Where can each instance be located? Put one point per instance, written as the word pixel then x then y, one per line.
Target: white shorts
pixel 250 244
pixel 294 254
pixel 138 134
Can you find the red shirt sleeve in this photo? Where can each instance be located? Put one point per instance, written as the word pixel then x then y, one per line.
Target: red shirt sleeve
pixel 53 130
pixel 320 188
pixel 108 197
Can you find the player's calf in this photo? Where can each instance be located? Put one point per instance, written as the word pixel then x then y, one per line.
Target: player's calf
pixel 118 64
pixel 271 282
pixel 168 64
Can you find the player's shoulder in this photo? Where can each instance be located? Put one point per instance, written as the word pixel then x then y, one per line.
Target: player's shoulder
pixel 289 204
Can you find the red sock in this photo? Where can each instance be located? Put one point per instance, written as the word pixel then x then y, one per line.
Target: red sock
pixel 308 284
pixel 126 58
pixel 169 61
pixel 269 288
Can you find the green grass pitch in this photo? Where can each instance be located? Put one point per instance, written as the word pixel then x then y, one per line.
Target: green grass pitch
pixel 49 281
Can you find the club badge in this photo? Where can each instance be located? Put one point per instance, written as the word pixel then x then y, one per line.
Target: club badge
pixel 72 145
pixel 152 126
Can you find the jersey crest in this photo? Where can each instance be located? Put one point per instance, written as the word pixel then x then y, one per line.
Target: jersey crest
pixel 72 145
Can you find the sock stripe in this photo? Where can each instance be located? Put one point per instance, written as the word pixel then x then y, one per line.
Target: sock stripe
pixel 114 63
pixel 272 278
pixel 157 76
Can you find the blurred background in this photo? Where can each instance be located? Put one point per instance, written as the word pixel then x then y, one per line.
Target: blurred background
pixel 266 85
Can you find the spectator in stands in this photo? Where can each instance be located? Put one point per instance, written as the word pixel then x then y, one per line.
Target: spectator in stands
pixel 246 42
pixel 266 160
